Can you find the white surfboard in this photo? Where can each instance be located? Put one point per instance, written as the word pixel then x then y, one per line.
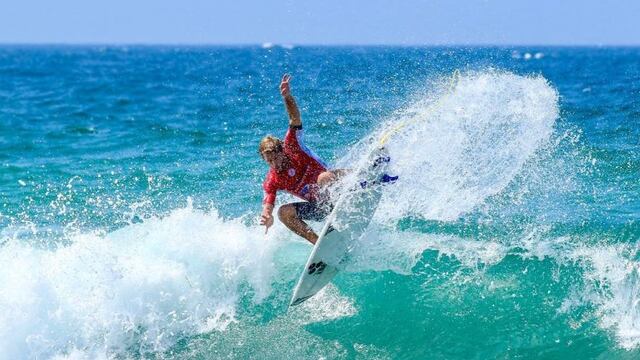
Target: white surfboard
pixel 349 219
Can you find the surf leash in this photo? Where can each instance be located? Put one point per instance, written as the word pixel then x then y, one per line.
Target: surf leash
pixel 455 78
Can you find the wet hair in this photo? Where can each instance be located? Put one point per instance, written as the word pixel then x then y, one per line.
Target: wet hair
pixel 271 143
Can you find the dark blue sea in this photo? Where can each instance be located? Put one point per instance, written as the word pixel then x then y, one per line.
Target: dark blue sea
pixel 130 186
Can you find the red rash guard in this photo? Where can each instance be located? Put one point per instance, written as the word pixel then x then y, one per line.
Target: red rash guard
pixel 301 176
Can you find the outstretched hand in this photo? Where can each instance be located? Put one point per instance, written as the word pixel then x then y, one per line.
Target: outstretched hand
pixel 267 221
pixel 285 91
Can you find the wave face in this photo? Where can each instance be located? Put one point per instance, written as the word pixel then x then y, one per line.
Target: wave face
pixel 128 207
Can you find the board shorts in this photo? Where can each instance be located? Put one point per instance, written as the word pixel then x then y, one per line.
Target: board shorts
pixel 313 210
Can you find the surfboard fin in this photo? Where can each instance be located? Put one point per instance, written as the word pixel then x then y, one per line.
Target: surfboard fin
pixel 384 179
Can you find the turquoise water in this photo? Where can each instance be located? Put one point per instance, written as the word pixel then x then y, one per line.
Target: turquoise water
pixel 130 186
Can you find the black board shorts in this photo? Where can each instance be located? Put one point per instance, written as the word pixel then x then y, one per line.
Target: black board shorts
pixel 316 211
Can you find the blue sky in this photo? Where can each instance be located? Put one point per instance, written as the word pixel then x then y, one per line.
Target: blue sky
pixel 403 22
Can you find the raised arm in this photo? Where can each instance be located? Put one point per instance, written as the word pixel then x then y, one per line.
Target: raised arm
pixel 290 102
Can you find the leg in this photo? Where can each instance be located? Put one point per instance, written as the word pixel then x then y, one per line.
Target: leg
pixel 326 178
pixel 288 215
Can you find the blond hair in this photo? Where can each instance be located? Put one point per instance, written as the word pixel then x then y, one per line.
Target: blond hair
pixel 270 143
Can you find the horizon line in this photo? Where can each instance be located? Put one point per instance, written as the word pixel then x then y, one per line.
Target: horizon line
pixel 289 46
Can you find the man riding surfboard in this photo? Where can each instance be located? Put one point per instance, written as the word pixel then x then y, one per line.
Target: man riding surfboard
pixel 297 170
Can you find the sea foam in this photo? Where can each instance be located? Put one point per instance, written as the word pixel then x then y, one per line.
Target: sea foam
pixel 136 289
pixel 466 143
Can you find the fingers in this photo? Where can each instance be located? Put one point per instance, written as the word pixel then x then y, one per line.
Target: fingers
pixel 267 222
pixel 267 225
pixel 284 85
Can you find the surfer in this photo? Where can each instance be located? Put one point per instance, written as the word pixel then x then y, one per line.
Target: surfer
pixel 297 170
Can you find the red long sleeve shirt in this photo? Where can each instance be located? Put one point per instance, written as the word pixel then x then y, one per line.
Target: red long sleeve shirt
pixel 301 176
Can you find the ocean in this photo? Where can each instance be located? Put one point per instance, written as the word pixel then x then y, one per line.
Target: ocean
pixel 130 187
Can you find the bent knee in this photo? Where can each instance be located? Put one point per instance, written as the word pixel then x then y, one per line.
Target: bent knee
pixel 286 212
pixel 326 178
